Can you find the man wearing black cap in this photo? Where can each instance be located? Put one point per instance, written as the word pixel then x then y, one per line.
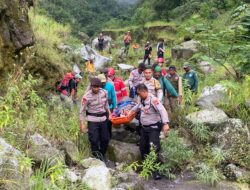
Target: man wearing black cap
pixel 136 77
pixel 148 51
pixel 95 104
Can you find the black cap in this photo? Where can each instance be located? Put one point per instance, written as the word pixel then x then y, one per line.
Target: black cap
pixel 172 68
pixel 142 66
pixel 96 82
pixel 105 70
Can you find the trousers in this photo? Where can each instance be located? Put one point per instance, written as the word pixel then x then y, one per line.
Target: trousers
pixel 99 137
pixel 150 135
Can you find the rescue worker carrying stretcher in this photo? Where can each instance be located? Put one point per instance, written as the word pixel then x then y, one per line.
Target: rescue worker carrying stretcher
pixel 95 104
pixel 153 118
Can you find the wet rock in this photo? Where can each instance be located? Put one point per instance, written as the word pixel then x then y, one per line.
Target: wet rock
pixel 91 162
pixel 71 152
pixel 131 185
pixel 123 152
pixel 233 172
pixel 127 135
pixel 129 180
pixel 98 178
pixel 206 67
pixel 185 51
pixel 212 96
pixel 40 150
pixel 212 117
pixel 10 170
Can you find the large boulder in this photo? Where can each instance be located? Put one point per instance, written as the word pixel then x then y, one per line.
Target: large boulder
pixel 40 150
pixel 15 33
pixel 233 172
pixel 123 152
pixel 98 178
pixel 86 52
pixel 125 67
pixel 185 51
pixel 233 129
pixel 107 42
pixel 125 134
pixel 129 180
pixel 11 174
pixel 212 96
pixel 211 117
pixel 206 67
pixel 71 152
pixel 234 138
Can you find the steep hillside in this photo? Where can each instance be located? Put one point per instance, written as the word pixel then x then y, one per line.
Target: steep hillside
pixel 15 33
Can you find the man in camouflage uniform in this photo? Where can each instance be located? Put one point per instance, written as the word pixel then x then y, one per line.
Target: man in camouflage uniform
pixel 95 104
pixel 154 118
pixel 172 102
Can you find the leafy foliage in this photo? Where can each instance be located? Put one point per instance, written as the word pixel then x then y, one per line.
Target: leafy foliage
pixel 208 174
pixel 176 154
pixel 88 16
pixel 148 166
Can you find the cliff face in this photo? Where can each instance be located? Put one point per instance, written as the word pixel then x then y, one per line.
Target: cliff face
pixel 16 53
pixel 15 30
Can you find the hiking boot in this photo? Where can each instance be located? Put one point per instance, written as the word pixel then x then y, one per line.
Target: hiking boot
pixel 156 176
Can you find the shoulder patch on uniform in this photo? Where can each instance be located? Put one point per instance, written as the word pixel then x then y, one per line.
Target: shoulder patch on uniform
pixel 155 101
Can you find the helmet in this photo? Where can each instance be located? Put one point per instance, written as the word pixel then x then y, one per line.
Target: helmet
pixel 111 71
pixel 160 60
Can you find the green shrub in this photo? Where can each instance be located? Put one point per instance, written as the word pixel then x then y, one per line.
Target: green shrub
pixel 208 174
pixel 200 132
pixel 175 153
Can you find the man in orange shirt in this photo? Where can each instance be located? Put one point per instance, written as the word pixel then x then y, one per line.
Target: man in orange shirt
pixel 127 40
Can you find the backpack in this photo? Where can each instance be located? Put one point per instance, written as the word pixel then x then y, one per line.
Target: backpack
pixel 64 84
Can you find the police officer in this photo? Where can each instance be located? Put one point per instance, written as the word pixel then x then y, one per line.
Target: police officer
pixel 190 78
pixel 153 85
pixel 136 76
pixel 95 104
pixel 154 118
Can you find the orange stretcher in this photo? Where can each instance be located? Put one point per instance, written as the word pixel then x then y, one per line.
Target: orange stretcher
pixel 123 119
